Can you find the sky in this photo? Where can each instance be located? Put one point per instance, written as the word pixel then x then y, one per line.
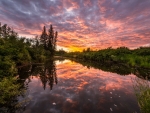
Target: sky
pixel 97 24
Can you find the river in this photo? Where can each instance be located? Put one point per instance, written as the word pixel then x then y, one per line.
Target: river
pixel 69 87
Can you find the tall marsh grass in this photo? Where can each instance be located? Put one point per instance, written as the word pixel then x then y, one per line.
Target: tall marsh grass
pixel 142 92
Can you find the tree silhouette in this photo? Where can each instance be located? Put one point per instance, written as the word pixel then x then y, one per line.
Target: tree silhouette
pixel 48 75
pixel 44 38
pixel 46 72
pixel 52 40
pixel 49 40
pixel 6 31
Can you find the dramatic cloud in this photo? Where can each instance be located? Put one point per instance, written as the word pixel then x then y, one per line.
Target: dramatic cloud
pixel 96 24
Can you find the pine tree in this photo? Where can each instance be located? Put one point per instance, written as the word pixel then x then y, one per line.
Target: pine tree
pixel 4 30
pixel 0 30
pixel 49 41
pixel 36 41
pixel 55 40
pixel 52 38
pixel 44 37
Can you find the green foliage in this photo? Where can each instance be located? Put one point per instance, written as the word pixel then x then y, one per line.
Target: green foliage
pixel 142 91
pixel 37 54
pixel 9 88
pixel 16 51
pixel 60 52
pixel 142 51
pixel 7 66
pixel 136 58
pixel 2 42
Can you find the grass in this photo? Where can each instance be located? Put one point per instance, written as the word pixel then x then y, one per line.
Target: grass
pixel 142 92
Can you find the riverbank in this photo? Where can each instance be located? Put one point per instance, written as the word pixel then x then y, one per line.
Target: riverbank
pixel 138 58
pixel 118 68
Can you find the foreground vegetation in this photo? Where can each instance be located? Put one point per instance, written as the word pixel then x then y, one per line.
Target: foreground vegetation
pixel 16 51
pixel 142 92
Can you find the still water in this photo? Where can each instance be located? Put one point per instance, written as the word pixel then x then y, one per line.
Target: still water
pixel 69 87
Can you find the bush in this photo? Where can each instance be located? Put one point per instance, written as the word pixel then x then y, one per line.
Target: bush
pixel 9 88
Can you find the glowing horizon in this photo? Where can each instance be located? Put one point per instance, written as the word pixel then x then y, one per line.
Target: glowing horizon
pixel 97 24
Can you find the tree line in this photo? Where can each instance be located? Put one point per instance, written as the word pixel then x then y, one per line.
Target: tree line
pixel 139 57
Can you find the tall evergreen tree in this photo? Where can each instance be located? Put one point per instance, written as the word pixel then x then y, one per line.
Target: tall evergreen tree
pixel 49 40
pixel 55 40
pixel 6 31
pixel 0 29
pixel 52 38
pixel 36 41
pixel 44 38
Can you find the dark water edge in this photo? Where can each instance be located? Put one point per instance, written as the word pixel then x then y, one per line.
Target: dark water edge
pixel 65 86
pixel 119 68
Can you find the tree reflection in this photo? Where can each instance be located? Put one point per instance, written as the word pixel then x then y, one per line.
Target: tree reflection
pixel 46 73
pixel 121 69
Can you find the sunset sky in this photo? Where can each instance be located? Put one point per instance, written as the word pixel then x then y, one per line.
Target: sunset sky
pixel 97 24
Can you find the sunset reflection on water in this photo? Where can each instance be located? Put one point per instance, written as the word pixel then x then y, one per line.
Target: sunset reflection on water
pixel 82 90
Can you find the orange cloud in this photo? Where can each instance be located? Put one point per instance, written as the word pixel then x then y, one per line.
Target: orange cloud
pixel 97 24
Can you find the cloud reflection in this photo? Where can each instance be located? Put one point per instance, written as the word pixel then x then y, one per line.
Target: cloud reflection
pixel 80 89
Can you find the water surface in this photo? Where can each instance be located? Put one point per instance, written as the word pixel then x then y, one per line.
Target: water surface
pixel 69 87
